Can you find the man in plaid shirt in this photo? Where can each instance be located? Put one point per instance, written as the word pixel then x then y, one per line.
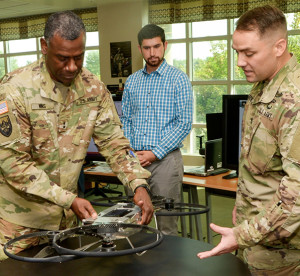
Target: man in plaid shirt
pixel 157 115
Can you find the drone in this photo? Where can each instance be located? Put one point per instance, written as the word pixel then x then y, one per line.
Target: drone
pixel 115 232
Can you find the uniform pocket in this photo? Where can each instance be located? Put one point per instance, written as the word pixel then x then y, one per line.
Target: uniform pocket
pixel 85 128
pixel 262 149
pixel 43 134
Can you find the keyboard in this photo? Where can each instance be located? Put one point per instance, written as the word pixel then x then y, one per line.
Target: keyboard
pixel 194 170
pixel 200 171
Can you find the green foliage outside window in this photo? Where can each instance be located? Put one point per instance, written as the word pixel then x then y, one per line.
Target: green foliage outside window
pixel 92 62
pixel 213 67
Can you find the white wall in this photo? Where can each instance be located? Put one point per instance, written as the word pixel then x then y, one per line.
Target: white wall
pixel 120 22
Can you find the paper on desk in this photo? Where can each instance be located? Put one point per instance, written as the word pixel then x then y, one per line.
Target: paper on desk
pixel 100 167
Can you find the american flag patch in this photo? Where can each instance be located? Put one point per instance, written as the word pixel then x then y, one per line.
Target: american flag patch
pixel 3 107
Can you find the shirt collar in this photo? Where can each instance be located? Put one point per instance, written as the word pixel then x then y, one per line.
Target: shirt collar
pixel 160 70
pixel 265 92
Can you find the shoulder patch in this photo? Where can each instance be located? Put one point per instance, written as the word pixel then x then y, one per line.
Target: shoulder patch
pixel 9 129
pixel 3 107
pixel 5 126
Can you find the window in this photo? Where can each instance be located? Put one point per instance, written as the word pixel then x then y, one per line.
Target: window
pixel 92 58
pixel 18 53
pixel 203 51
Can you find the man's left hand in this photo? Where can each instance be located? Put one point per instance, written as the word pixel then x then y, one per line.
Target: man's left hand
pixel 146 157
pixel 226 245
pixel 142 199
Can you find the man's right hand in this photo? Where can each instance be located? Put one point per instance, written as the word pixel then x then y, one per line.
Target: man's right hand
pixel 83 209
pixel 142 199
pixel 146 157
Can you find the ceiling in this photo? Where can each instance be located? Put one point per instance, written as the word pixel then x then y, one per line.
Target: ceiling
pixel 17 8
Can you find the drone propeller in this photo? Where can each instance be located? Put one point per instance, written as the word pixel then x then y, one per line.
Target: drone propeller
pixel 100 240
pixel 110 201
pixel 46 254
pixel 162 206
pixel 112 243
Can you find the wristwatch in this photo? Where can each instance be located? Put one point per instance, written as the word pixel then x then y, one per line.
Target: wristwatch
pixel 144 186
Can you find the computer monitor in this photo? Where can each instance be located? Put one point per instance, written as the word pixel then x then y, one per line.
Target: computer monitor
pixel 214 122
pixel 93 154
pixel 233 110
pixel 118 105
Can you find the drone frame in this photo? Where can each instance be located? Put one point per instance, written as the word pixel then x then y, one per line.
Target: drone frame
pixel 66 254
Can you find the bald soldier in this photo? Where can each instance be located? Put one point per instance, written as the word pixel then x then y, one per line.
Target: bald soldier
pixel 49 111
pixel 267 209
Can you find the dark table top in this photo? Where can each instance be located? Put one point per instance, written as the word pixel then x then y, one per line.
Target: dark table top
pixel 174 256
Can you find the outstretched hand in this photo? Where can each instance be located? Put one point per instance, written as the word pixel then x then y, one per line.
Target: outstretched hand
pixel 226 245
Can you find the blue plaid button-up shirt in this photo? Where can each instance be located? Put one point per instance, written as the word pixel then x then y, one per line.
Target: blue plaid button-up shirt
pixel 157 109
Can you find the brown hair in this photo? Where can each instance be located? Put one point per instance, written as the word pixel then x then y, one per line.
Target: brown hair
pixel 262 19
pixel 150 31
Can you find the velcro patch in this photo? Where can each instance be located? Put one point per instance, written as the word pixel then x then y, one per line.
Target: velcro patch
pixel 3 107
pixel 92 99
pixel 5 126
pixel 40 106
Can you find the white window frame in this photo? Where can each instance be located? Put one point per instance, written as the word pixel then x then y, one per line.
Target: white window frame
pixel 5 55
pixel 230 82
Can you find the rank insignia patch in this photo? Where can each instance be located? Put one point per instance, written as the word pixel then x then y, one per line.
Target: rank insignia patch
pixel 5 126
pixel 3 107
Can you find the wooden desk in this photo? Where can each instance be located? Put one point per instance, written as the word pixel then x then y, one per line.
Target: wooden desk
pixel 106 175
pixel 214 185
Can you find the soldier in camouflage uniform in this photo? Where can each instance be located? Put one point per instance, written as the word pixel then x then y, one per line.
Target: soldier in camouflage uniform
pixel 49 111
pixel 267 209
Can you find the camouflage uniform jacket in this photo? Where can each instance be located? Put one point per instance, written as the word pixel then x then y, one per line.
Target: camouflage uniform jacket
pixel 44 140
pixel 268 196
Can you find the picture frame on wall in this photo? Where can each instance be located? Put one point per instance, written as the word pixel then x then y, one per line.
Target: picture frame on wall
pixel 120 59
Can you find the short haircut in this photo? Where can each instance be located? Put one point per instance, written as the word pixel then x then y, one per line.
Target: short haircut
pixel 264 18
pixel 66 23
pixel 150 31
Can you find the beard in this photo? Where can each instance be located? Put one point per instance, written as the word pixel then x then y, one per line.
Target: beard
pixel 155 62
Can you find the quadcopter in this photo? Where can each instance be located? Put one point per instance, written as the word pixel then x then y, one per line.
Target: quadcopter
pixel 162 206
pixel 115 232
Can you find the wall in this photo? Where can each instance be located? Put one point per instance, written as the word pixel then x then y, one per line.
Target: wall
pixel 120 22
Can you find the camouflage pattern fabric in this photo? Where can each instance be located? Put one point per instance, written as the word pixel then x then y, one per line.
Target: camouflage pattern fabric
pixel 44 140
pixel 268 201
pixel 10 231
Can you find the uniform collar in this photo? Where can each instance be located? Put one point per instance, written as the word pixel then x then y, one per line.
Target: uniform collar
pixel 264 92
pixel 160 70
pixel 49 89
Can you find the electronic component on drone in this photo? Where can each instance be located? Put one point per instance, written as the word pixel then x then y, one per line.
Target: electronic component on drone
pixel 118 213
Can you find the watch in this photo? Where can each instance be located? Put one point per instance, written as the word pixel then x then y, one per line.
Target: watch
pixel 144 186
